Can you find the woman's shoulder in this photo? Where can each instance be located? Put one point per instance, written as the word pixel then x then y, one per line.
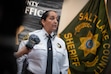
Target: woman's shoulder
pixel 35 32
pixel 59 39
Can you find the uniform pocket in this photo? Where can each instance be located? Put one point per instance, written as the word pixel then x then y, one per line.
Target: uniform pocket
pixel 60 51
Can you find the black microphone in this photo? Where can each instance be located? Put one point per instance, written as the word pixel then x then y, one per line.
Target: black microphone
pixel 33 40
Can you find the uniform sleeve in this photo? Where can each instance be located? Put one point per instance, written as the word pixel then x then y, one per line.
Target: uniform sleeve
pixel 21 59
pixel 65 63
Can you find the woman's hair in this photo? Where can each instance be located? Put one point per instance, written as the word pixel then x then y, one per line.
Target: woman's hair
pixel 45 15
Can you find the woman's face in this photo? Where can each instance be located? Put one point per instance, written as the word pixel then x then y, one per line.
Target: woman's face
pixel 51 23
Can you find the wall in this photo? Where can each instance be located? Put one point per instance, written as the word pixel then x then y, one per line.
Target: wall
pixel 69 11
pixel 109 9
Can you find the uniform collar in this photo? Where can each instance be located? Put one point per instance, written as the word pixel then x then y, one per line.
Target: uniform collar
pixel 45 34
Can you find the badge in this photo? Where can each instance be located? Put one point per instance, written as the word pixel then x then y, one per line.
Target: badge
pixel 58 45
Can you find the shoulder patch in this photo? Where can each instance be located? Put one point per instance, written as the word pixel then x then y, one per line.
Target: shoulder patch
pixel 26 37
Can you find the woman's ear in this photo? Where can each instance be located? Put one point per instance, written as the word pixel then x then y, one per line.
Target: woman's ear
pixel 43 22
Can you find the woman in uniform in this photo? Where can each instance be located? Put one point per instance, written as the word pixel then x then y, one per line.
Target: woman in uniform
pixel 38 54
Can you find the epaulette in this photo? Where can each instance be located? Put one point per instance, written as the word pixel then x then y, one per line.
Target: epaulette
pixel 34 32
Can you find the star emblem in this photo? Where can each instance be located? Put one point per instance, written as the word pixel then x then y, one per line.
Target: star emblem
pixel 89 44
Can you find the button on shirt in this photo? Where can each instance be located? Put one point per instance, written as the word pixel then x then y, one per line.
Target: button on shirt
pixel 37 58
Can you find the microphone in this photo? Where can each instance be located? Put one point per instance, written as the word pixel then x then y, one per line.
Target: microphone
pixel 33 40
